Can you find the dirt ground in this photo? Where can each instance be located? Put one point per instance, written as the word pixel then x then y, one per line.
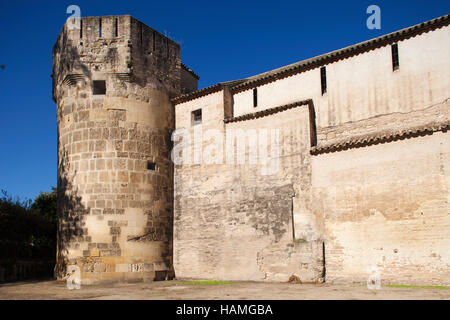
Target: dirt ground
pixel 178 290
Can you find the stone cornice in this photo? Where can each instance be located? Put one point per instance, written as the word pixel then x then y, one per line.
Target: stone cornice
pixel 72 78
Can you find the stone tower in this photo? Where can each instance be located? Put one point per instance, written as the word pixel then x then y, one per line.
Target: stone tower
pixel 113 80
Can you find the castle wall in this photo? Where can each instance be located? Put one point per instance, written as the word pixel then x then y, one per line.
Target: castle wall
pixel 386 206
pixel 321 186
pixel 189 82
pixel 115 211
pixel 382 205
pixel 234 221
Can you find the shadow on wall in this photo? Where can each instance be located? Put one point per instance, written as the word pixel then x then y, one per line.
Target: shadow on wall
pixel 67 63
pixel 71 216
pixel 71 212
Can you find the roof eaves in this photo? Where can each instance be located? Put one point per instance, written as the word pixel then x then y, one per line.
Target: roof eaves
pixel 237 86
pixel 267 112
pixel 340 54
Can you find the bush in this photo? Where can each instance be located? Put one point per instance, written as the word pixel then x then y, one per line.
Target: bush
pixel 28 229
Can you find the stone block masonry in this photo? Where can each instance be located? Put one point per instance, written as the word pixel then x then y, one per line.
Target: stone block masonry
pixel 115 212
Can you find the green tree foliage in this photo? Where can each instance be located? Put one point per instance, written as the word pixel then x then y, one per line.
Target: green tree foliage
pixel 28 229
pixel 45 205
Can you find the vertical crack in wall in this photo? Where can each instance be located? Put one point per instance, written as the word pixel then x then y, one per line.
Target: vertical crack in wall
pixel 324 267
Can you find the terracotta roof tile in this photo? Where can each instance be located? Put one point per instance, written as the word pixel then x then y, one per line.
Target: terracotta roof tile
pixel 267 112
pixel 381 137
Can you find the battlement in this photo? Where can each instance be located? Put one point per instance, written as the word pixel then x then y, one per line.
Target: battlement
pixel 118 45
pixel 113 27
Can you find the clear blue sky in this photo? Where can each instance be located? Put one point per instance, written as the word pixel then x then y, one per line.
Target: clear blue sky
pixel 220 41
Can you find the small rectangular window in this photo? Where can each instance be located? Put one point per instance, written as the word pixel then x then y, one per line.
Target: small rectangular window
pixel 255 97
pixel 116 27
pixel 395 60
pixel 196 117
pixel 100 28
pixel 167 46
pixel 81 28
pixel 323 79
pixel 99 87
pixel 151 165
